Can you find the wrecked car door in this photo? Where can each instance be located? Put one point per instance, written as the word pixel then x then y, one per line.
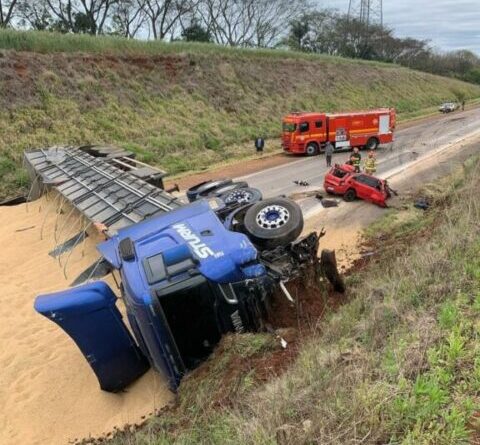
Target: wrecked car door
pixel 370 189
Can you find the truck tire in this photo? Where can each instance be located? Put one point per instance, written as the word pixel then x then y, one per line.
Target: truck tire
pixel 273 222
pixel 229 187
pixel 312 149
pixel 372 144
pixel 202 189
pixel 247 195
pixel 350 195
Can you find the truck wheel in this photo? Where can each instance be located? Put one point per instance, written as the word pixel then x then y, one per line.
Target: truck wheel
pixel 274 222
pixel 350 195
pixel 230 187
pixel 246 195
pixel 312 149
pixel 202 189
pixel 372 144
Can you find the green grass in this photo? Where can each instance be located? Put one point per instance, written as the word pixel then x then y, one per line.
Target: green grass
pixel 398 364
pixel 181 106
pixel 52 42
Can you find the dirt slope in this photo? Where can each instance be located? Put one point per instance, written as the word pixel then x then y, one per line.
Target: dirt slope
pixel 48 393
pixel 187 110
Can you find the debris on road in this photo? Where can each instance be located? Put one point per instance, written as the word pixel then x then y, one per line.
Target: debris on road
pixel 329 203
pixel 302 183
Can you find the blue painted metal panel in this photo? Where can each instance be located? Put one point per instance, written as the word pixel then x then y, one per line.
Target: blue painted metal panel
pixel 89 316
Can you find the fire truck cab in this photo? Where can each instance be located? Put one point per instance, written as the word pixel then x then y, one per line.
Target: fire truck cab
pixel 307 133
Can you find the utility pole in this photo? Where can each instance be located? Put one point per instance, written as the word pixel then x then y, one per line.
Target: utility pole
pixel 367 12
pixel 362 16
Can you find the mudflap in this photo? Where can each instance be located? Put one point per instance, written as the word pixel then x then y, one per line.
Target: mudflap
pixel 89 316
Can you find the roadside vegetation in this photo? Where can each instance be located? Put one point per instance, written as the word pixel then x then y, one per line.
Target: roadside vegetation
pixel 398 363
pixel 182 106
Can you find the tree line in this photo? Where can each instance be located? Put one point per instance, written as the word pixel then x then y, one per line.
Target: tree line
pixel 333 33
pixel 293 24
pixel 252 23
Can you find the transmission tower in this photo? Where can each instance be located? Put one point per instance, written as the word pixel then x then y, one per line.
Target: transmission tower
pixel 367 12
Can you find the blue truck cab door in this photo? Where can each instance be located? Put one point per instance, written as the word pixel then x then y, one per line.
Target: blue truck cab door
pixel 88 314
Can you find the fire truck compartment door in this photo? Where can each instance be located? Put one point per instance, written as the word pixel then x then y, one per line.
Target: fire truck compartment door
pixel 88 314
pixel 384 126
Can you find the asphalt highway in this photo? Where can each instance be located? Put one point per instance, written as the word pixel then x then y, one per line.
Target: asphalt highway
pixel 410 144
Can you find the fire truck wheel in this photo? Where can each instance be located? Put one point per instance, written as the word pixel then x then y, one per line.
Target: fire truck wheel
pixel 372 144
pixel 202 189
pixel 350 195
pixel 312 149
pixel 247 195
pixel 274 222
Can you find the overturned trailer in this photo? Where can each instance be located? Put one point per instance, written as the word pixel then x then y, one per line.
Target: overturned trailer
pixel 189 273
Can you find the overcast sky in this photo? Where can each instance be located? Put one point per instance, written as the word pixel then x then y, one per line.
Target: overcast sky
pixel 448 24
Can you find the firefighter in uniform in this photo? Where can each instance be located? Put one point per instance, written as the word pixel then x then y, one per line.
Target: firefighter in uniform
pixel 328 153
pixel 370 165
pixel 356 159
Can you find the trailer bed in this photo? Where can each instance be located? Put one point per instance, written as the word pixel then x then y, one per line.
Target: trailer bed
pixel 99 189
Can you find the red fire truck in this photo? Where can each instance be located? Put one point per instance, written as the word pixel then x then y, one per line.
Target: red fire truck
pixel 309 132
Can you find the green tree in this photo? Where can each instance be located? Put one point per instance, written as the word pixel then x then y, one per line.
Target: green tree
pixel 196 33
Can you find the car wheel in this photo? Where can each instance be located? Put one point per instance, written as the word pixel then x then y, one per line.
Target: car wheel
pixel 312 149
pixel 202 189
pixel 350 195
pixel 274 222
pixel 245 195
pixel 372 144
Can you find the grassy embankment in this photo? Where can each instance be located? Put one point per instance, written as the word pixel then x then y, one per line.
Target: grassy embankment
pixel 182 106
pixel 398 364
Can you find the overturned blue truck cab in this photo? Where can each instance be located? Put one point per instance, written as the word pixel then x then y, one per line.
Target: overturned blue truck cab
pixel 186 280
pixel 186 274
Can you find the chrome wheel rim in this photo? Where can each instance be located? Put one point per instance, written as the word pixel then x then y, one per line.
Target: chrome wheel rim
pixel 272 217
pixel 240 196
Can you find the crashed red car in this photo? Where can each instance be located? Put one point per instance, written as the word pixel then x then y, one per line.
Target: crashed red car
pixel 342 180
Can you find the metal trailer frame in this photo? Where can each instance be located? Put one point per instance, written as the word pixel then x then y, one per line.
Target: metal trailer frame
pixel 97 187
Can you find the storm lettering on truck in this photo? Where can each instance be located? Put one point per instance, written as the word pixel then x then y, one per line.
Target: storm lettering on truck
pixel 200 249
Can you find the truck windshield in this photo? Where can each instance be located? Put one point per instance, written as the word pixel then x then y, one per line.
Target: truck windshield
pixel 289 127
